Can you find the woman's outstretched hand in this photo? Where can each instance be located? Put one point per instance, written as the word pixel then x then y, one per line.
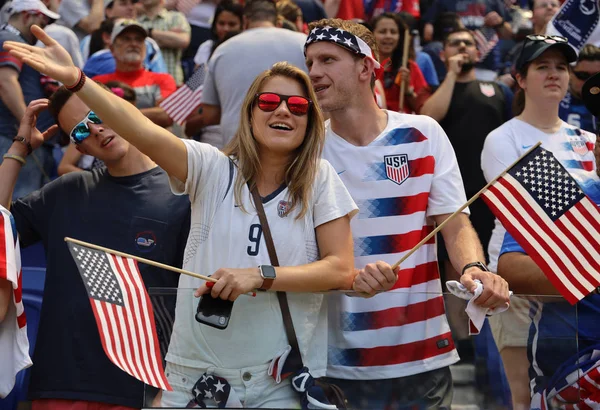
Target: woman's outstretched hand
pixel 52 60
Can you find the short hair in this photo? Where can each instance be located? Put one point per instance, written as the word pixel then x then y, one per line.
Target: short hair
pixel 260 10
pixel 459 30
pixel 359 30
pixel 56 102
pixel 589 52
pixel 447 22
pixel 288 10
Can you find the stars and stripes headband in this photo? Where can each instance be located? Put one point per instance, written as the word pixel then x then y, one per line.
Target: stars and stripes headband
pixel 342 38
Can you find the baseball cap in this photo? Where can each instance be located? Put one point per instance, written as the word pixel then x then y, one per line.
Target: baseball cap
pixel 535 45
pixel 590 92
pixel 17 6
pixel 125 24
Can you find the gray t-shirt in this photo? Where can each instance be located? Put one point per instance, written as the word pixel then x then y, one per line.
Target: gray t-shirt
pixel 235 64
pixel 71 12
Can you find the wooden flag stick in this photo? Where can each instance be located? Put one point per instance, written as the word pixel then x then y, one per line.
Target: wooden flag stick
pixel 404 65
pixel 459 210
pixel 137 258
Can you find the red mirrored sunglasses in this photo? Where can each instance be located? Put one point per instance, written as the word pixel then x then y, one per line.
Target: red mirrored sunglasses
pixel 269 102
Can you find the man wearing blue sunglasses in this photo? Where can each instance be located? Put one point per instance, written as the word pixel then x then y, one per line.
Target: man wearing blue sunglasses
pixel 126 206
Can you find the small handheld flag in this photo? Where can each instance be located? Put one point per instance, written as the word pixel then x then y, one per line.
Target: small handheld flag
pixel 123 313
pixel 545 210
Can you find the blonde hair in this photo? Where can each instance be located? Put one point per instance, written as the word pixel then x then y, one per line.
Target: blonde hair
pixel 302 171
pixel 351 27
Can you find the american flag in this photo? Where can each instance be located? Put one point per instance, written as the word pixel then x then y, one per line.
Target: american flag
pixel 123 313
pixel 14 345
pixel 574 385
pixel 485 43
pixel 186 99
pixel 544 209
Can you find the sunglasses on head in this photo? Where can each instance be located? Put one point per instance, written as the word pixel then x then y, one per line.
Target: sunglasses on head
pixel 547 39
pixel 582 75
pixel 269 102
pixel 81 131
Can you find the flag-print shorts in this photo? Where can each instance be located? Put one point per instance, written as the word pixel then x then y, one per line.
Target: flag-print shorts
pixel 252 385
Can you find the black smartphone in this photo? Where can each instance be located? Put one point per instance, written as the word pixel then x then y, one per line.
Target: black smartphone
pixel 214 312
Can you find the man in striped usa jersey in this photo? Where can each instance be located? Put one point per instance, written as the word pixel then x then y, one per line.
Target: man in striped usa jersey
pixel 392 350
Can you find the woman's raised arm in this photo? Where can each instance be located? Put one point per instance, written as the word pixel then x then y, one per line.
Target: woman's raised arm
pixel 164 148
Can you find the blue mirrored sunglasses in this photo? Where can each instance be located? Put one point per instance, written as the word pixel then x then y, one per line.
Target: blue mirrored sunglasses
pixel 81 131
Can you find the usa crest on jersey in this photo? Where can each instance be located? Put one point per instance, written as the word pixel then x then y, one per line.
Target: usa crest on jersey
pixel 282 208
pixel 579 145
pixel 397 168
pixel 487 89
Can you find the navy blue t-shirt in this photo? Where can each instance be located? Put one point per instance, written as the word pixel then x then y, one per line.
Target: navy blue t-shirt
pixel 135 214
pixel 572 111
pixel 472 13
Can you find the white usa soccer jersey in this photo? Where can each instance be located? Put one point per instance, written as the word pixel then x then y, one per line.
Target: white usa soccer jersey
pixel 406 175
pixel 222 235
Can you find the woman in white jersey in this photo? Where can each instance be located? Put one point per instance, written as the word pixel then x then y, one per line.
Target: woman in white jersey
pixel 276 149
pixel 542 73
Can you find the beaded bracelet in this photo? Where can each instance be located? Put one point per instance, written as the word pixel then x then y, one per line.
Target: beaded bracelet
pixel 79 84
pixel 15 157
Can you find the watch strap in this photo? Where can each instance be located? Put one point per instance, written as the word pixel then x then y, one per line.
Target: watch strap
pixel 267 282
pixel 478 264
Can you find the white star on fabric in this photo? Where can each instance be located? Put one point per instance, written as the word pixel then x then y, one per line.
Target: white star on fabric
pixel 321 36
pixel 335 38
pixel 327 28
pixel 348 42
pixel 219 386
pixel 208 394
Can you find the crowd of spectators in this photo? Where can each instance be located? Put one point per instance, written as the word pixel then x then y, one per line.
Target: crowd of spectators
pixel 459 62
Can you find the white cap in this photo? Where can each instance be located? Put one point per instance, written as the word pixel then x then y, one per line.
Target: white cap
pixel 17 6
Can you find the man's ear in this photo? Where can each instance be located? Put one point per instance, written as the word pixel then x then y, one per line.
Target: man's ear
pixel 367 69
pixel 245 22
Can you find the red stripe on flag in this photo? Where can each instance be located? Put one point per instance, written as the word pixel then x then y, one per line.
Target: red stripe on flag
pixel 576 238
pixel 419 274
pixel 130 323
pixel 532 251
pixel 591 219
pixel 408 352
pixel 147 328
pixel 156 353
pixel 535 215
pixel 521 239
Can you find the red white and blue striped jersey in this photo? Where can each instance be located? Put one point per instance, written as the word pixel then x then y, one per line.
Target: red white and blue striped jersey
pixel 14 345
pixel 402 178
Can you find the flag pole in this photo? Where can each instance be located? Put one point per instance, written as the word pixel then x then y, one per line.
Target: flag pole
pixel 143 260
pixel 459 210
pixel 404 64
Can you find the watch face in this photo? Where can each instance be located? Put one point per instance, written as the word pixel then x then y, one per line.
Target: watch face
pixel 267 271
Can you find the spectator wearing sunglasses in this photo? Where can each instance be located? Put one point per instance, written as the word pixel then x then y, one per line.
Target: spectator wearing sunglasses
pixel 276 151
pixel 542 73
pixel 120 206
pixel 572 109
